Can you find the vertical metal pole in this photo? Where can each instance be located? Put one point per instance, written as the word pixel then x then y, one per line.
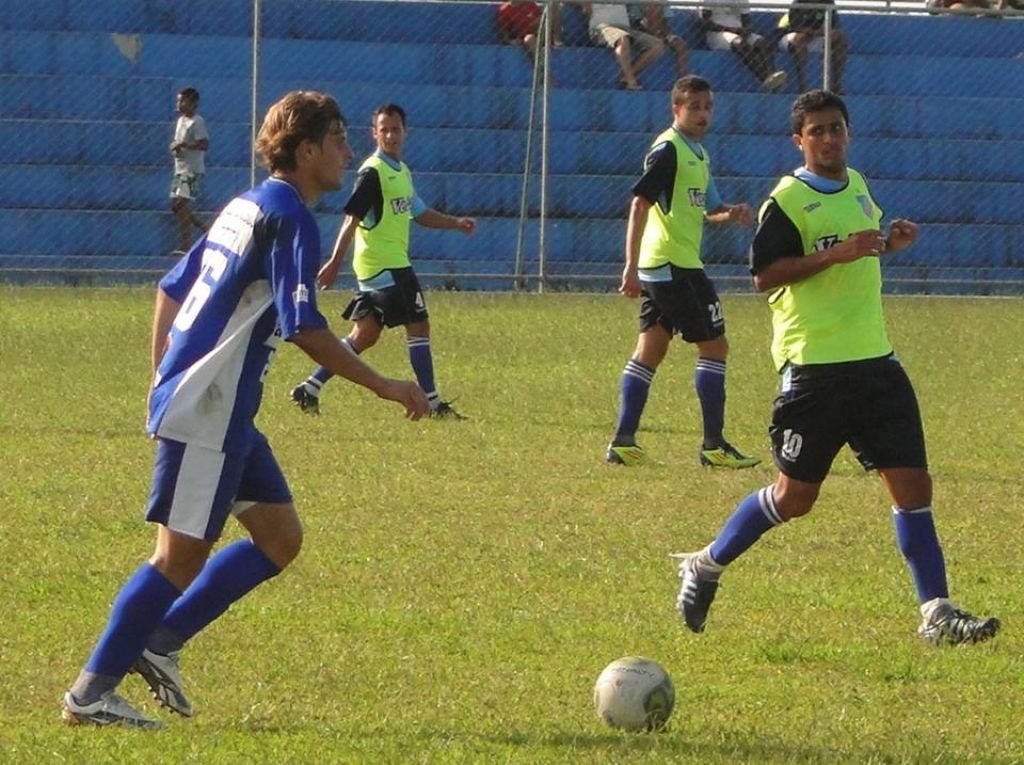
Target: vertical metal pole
pixel 255 89
pixel 542 218
pixel 523 199
pixel 826 76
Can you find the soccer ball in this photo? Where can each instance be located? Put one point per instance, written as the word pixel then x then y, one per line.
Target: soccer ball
pixel 634 694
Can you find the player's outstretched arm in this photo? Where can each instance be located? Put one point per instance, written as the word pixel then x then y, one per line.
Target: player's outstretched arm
pixel 329 271
pixel 740 214
pixel 326 350
pixel 432 218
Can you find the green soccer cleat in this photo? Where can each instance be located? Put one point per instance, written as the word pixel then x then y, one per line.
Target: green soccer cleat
pixel 725 455
pixel 629 455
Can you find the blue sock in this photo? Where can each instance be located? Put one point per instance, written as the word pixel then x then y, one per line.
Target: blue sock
pixel 917 540
pixel 422 365
pixel 321 375
pixel 226 577
pixel 709 380
pixel 751 518
pixel 315 382
pixel 138 610
pixel 635 385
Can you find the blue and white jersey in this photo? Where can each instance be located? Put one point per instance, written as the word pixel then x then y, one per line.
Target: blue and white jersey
pixel 248 283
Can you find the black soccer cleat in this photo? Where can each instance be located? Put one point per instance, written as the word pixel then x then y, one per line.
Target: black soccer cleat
pixel 305 400
pixel 445 411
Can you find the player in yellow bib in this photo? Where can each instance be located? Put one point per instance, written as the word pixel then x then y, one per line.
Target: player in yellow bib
pixel 816 253
pixel 377 217
pixel 673 197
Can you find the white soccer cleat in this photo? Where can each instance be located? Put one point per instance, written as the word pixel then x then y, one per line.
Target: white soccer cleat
pixel 696 592
pixel 163 677
pixel 111 709
pixel 945 624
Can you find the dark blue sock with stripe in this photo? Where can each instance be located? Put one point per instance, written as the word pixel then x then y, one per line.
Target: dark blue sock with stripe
pixel 635 385
pixel 709 381
pixel 322 374
pixel 752 518
pixel 422 361
pixel 227 577
pixel 138 610
pixel 919 543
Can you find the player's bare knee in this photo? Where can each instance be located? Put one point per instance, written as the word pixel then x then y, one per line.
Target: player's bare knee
pixel 364 336
pixel 910 488
pixel 794 499
pixel 284 547
pixel 717 349
pixel 418 329
pixel 180 565
pixel 652 347
pixel 649 357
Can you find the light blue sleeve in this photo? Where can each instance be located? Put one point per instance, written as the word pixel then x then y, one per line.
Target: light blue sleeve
pixel 713 200
pixel 418 205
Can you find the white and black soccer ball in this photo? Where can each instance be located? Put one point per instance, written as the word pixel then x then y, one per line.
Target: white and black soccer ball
pixel 635 694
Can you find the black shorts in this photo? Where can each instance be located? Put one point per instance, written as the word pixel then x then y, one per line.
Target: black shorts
pixel 687 305
pixel 397 305
pixel 869 405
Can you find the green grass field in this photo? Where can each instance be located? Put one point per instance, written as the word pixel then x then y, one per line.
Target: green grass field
pixel 463 583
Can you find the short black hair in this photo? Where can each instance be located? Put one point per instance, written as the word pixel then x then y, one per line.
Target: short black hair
pixel 190 93
pixel 390 110
pixel 691 83
pixel 815 101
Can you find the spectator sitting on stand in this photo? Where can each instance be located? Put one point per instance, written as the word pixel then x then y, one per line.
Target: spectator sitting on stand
pixel 963 5
pixel 650 18
pixel 609 26
pixel 729 28
pixel 518 23
pixel 803 30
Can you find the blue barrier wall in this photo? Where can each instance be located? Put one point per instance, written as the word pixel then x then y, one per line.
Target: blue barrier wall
pixel 84 127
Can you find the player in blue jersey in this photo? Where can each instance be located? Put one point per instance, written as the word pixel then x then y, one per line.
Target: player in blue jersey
pixel 220 315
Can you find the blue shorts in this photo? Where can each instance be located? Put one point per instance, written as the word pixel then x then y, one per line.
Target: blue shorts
pixel 195 489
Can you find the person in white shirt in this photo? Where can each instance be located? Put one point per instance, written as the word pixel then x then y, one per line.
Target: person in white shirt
pixel 729 28
pixel 634 50
pixel 191 140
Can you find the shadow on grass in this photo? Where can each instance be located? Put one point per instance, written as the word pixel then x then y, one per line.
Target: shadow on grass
pixel 674 744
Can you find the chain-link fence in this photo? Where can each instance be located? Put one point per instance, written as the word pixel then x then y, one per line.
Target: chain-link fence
pixel 544 156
